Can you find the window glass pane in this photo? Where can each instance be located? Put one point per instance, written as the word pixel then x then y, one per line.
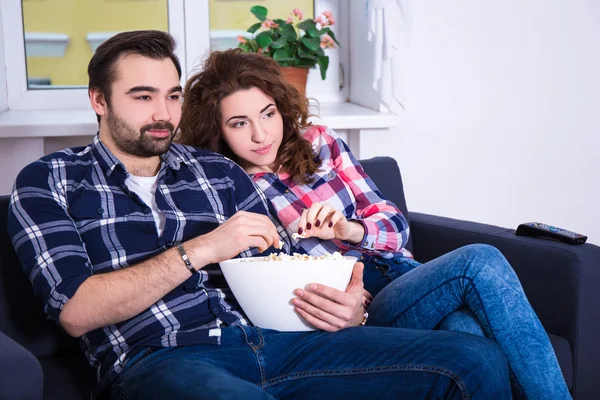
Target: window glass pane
pixel 61 35
pixel 230 18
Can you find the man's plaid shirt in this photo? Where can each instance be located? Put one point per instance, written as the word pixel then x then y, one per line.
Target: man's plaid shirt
pixel 72 216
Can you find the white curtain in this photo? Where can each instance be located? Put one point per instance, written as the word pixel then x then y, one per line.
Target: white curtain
pixel 389 30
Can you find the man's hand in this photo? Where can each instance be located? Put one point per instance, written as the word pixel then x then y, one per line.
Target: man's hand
pixel 325 222
pixel 240 232
pixel 330 309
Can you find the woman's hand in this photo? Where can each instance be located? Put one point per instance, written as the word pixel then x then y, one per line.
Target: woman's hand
pixel 330 309
pixel 325 222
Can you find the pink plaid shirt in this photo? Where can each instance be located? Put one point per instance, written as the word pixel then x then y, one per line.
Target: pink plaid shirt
pixel 341 182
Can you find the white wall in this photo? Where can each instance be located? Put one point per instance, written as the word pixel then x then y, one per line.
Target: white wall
pixel 503 113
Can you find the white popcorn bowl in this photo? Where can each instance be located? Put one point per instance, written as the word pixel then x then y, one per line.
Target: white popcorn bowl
pixel 264 289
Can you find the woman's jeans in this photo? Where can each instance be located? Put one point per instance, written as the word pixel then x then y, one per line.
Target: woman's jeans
pixel 355 363
pixel 472 289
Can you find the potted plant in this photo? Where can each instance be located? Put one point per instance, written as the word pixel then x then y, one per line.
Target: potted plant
pixel 296 44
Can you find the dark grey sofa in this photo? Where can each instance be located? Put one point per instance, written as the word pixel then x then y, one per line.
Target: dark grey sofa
pixel 561 281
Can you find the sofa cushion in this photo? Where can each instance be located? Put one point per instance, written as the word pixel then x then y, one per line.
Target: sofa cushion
pixel 384 171
pixel 564 356
pixel 67 377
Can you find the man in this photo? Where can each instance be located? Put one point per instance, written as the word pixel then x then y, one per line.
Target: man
pixel 120 240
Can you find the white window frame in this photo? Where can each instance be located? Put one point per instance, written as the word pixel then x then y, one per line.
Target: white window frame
pixel 197 23
pixel 189 23
pixel 20 97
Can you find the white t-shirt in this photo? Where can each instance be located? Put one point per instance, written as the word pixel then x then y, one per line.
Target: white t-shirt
pixel 145 187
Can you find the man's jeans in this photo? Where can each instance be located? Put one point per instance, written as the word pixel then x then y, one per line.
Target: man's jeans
pixel 355 363
pixel 471 289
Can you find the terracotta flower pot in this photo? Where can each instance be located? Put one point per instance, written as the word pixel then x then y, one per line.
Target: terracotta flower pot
pixel 296 76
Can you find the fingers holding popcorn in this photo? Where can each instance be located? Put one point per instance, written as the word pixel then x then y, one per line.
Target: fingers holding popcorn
pixel 320 220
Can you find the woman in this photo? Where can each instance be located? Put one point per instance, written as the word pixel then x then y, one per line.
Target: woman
pixel 240 106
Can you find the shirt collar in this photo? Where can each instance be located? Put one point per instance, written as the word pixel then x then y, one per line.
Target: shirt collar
pixel 280 175
pixel 107 160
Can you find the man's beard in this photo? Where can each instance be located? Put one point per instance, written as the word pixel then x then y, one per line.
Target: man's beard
pixel 139 144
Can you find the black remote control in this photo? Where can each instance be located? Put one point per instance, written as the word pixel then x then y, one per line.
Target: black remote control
pixel 537 229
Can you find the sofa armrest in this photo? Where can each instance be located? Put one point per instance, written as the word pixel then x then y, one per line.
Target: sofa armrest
pixel 561 281
pixel 20 372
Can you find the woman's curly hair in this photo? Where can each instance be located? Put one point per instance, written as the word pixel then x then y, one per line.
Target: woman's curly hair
pixel 226 72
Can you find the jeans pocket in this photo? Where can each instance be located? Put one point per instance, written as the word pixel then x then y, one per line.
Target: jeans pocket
pixel 132 361
pixel 381 271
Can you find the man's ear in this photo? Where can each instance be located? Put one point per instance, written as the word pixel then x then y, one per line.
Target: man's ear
pixel 98 102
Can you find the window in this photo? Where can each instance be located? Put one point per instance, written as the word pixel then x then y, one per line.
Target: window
pixel 61 36
pixel 47 68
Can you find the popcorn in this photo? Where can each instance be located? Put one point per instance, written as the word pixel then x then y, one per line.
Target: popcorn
pixel 296 256
pixel 295 236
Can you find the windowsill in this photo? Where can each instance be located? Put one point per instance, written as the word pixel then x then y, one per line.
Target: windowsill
pixel 82 121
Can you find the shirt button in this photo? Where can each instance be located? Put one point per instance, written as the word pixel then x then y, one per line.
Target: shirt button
pixel 100 210
pixel 366 244
pixel 286 191
pixel 362 257
pixel 160 243
pixel 372 245
pixel 331 175
pixel 147 210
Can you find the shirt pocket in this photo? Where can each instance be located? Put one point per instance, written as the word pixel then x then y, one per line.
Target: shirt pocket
pixel 89 212
pixel 329 187
pixel 199 214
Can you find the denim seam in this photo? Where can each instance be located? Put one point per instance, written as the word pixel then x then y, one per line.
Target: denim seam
pixel 255 350
pixel 407 367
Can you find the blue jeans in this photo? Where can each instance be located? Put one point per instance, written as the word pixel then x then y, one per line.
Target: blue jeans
pixel 355 363
pixel 472 289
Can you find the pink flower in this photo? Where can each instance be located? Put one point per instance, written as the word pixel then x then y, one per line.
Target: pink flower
pixel 260 50
pixel 267 24
pixel 289 20
pixel 298 13
pixel 327 42
pixel 324 20
pixel 328 14
pixel 241 39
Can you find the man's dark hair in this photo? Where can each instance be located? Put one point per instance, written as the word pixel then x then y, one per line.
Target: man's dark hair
pixel 152 44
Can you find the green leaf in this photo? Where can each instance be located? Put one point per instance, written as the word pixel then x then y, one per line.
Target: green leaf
pixel 280 21
pixel 307 54
pixel 288 32
pixel 313 32
pixel 319 52
pixel 304 63
pixel 283 55
pixel 311 43
pixel 330 33
pixel 246 47
pixel 307 24
pixel 254 27
pixel 259 12
pixel 264 39
pixel 323 64
pixel 279 43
